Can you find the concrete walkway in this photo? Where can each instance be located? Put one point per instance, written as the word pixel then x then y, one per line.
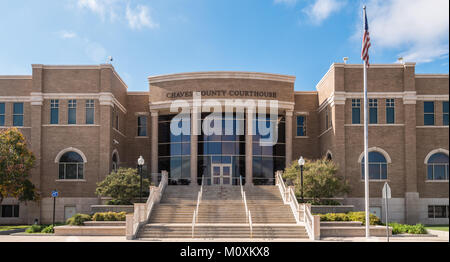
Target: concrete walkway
pixel 52 238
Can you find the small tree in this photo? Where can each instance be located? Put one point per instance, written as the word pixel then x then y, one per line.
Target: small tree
pixel 122 185
pixel 319 179
pixel 16 161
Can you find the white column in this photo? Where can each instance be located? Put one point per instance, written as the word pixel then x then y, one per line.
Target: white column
pixel 154 153
pixel 249 147
pixel 194 146
pixel 288 137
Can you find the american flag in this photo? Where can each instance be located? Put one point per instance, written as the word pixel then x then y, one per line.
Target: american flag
pixel 366 41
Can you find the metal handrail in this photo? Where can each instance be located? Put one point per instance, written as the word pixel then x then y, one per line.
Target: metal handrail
pixel 199 199
pixel 308 219
pixel 193 222
pixel 250 223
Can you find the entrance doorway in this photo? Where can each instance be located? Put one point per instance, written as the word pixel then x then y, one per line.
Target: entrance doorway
pixel 221 174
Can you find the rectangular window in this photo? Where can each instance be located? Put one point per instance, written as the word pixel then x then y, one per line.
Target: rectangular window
pixel 10 210
pixel 428 113
pixel 2 114
pixel 438 211
pixel 18 114
pixel 390 111
pixel 326 119
pixel 444 113
pixel 72 117
pixel 373 111
pixel 356 111
pixel 90 111
pixel 142 126
pixel 54 111
pixel 301 125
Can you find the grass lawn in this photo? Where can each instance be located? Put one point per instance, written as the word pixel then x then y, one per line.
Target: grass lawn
pixel 437 227
pixel 4 228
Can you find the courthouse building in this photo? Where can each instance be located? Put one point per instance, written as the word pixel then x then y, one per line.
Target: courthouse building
pixel 82 122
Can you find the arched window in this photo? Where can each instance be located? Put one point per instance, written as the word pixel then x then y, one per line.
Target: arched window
pixel 437 167
pixel 115 162
pixel 377 166
pixel 329 156
pixel 71 166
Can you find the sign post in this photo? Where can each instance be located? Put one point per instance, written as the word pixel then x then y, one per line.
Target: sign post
pixel 386 194
pixel 54 195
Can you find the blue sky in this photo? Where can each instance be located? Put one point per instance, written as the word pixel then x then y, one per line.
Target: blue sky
pixel 295 37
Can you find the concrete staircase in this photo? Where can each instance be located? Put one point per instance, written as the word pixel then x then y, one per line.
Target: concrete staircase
pixel 222 214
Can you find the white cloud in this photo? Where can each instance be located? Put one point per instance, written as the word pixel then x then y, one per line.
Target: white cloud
pixel 102 8
pixel 286 2
pixel 67 34
pixel 322 9
pixel 419 27
pixel 140 18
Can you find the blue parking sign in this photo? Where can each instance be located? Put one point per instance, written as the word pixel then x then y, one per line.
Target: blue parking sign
pixel 54 193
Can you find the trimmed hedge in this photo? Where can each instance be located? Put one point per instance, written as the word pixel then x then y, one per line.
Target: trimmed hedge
pixel 78 219
pixel 115 202
pixel 109 216
pixel 350 216
pixel 410 229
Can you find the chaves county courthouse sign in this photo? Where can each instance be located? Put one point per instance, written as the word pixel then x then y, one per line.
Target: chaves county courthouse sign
pixel 222 93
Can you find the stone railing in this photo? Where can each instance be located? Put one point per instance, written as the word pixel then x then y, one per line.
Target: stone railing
pixel 302 212
pixel 142 211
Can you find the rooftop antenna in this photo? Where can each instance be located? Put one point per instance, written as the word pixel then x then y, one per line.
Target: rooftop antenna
pixel 345 60
pixel 109 59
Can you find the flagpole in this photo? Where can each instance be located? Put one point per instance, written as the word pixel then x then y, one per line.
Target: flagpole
pixel 366 146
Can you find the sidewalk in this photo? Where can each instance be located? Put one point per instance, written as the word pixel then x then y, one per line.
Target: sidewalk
pixel 52 238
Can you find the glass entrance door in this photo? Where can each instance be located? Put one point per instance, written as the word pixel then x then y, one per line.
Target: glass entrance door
pixel 221 174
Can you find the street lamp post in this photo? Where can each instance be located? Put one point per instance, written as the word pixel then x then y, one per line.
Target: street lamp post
pixel 141 162
pixel 301 163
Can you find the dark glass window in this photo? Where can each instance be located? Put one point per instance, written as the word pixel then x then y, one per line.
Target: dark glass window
pixel 444 113
pixel 10 211
pixel 356 111
pixel 377 166
pixel 71 166
pixel 440 211
pixel 373 111
pixel 2 114
pixel 142 126
pixel 18 114
pixel 437 167
pixel 301 125
pixel 72 113
pixel 390 111
pixel 90 107
pixel 54 111
pixel 428 113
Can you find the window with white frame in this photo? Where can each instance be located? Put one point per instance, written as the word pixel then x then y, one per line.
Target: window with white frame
pixel 54 111
pixel 377 166
pixel 437 167
pixel 390 111
pixel 71 166
pixel 90 107
pixel 373 111
pixel 356 111
pixel 142 126
pixel 72 112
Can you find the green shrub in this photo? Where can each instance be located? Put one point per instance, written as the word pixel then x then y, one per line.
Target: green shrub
pixel 35 229
pixel 48 229
pixel 410 229
pixel 109 216
pixel 78 219
pixel 116 202
pixel 350 216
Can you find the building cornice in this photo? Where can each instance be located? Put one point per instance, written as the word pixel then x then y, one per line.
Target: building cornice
pixel 431 75
pixel 17 77
pixel 221 75
pixel 166 104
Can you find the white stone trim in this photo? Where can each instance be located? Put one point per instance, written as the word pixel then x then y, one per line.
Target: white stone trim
pixel 141 113
pixel 379 150
pixel 120 133
pixel 431 75
pixel 433 97
pixel 69 125
pixel 432 152
pixel 431 126
pixel 166 104
pixel 222 75
pixel 384 125
pixel 302 113
pixel 21 77
pixel 326 131
pixel 15 98
pixel 58 156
